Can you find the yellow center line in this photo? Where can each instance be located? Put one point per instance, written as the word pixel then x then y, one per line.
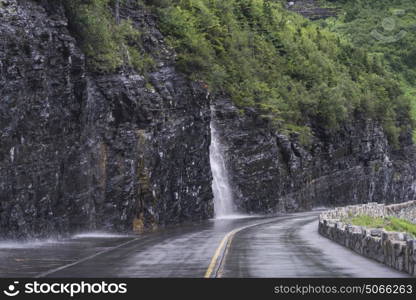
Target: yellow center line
pixel 224 245
pixel 218 252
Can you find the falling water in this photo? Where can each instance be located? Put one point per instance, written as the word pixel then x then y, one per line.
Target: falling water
pixel 223 197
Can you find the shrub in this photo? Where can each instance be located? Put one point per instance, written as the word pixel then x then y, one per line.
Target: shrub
pixel 107 43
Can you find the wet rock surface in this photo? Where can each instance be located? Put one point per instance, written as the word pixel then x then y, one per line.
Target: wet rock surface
pixel 273 172
pixel 82 151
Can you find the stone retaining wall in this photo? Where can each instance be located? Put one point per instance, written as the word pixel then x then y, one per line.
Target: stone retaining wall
pixel 396 250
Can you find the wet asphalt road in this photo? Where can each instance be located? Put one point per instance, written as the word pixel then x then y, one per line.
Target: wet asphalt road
pixel 284 246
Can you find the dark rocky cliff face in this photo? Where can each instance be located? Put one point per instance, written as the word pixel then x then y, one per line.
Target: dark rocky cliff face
pixel 83 151
pixel 273 172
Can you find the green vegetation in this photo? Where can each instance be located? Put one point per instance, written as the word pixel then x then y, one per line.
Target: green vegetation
pixel 389 224
pixel 107 43
pixel 293 71
pixel 290 69
pixel 387 30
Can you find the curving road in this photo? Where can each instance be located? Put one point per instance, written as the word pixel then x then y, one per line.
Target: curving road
pixel 283 246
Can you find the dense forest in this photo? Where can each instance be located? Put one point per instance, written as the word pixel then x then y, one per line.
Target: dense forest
pixel 293 71
pixel 384 28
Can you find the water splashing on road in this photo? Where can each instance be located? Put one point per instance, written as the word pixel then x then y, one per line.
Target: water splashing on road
pixel 4 244
pixel 223 196
pixel 98 235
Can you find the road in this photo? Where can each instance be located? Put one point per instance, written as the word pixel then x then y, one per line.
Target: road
pixel 283 246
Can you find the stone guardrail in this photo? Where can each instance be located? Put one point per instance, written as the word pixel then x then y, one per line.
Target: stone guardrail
pixel 394 249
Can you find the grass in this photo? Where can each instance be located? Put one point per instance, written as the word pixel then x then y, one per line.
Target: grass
pixel 389 223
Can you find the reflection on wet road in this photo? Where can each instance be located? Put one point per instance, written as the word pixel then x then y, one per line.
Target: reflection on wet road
pixel 284 246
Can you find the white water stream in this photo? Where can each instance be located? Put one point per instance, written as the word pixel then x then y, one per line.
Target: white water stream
pixel 223 196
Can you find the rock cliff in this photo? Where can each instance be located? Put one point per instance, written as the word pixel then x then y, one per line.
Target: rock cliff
pixel 274 172
pixel 82 151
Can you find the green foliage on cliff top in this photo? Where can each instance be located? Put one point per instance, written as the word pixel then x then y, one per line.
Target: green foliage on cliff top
pixel 389 224
pixel 286 66
pixel 384 28
pixel 259 54
pixel 107 44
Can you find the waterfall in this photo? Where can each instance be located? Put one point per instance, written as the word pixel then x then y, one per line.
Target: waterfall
pixel 223 196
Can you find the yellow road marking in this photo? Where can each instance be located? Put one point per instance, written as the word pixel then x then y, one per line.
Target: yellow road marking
pixel 226 243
